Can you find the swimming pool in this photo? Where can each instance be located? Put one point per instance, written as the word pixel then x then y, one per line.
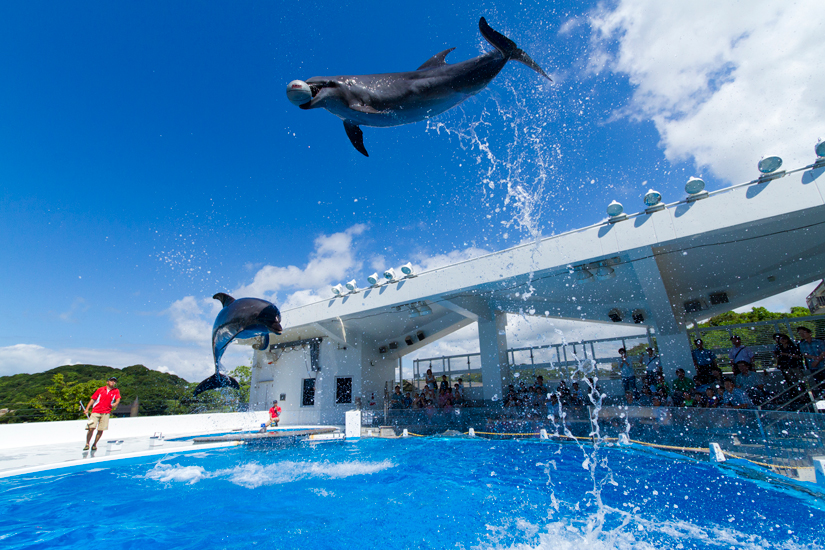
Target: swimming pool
pixel 406 493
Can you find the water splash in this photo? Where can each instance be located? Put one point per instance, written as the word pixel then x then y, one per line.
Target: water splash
pixel 521 162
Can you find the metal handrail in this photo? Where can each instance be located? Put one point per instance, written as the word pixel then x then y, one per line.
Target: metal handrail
pixel 807 393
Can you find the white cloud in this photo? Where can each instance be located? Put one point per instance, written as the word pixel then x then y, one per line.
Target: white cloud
pixel 424 262
pixel 332 259
pixel 189 323
pixel 724 82
pixel 782 303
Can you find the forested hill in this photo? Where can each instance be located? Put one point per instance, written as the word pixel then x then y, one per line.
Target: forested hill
pixel 53 394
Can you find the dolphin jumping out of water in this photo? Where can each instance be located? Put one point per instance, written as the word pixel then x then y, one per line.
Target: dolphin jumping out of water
pixel 241 318
pixel 393 99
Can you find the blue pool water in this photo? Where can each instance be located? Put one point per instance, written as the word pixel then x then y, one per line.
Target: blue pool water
pixel 408 493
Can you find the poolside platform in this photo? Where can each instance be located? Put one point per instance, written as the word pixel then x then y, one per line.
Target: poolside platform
pixel 42 446
pixel 266 437
pixel 26 460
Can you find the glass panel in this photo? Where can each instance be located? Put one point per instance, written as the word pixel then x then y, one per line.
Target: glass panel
pixel 308 392
pixel 343 390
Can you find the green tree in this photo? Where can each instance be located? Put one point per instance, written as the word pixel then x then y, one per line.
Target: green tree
pixel 62 399
pixel 243 374
pixel 754 315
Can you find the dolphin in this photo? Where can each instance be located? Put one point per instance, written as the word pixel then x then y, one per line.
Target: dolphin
pixel 392 99
pixel 241 318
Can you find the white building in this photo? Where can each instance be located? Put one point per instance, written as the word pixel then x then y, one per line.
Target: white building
pixel 664 267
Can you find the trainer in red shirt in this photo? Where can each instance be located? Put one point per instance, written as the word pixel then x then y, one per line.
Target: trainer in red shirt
pixel 274 414
pixel 104 400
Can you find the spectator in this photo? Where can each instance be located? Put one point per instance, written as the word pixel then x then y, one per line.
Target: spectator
pixel 645 399
pixel 407 400
pixel 686 399
pixel 682 384
pixel 577 398
pixel 704 360
pixel 445 384
pixel 563 392
pixel 430 378
pixel 789 360
pixel 750 383
pixel 397 399
pixel 511 400
pixel 627 372
pixel 734 397
pixel 739 353
pixel 813 352
pixel 711 400
pixel 699 399
pixel 418 401
pixel 662 389
pixel 628 397
pixel 653 367
pixel 461 386
pixel 540 384
pixel 458 394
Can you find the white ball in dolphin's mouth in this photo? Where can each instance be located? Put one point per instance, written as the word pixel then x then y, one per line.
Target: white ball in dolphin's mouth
pixel 298 92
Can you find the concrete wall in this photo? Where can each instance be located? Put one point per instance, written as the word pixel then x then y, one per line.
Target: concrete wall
pixel 276 374
pixel 43 433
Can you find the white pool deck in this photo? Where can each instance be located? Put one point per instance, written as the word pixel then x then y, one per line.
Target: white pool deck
pixel 42 446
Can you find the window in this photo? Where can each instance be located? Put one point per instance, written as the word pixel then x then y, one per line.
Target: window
pixel 343 390
pixel 308 392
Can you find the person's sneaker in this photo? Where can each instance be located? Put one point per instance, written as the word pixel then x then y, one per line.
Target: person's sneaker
pixel 86 448
pixel 94 447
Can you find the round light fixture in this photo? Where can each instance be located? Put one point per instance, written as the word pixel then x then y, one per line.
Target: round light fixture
pixel 694 185
pixel 820 148
pixel 769 164
pixel 373 279
pixel 389 274
pixel 407 269
pixel 338 289
pixel 352 286
pixel 614 209
pixel 652 198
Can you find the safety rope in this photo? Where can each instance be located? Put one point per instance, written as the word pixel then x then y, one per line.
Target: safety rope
pixel 643 443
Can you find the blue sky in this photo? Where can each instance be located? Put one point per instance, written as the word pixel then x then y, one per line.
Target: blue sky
pixel 149 157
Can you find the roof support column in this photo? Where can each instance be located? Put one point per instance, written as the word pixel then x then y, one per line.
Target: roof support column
pixel 492 342
pixel 671 334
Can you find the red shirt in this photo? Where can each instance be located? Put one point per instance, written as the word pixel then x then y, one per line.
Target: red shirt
pixel 104 397
pixel 273 413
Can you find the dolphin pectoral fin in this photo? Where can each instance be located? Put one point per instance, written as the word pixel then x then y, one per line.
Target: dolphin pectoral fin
pixel 438 60
pixel 365 109
pixel 224 298
pixel 356 136
pixel 264 344
pixel 508 48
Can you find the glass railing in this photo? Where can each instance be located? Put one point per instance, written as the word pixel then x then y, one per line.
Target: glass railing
pixel 784 442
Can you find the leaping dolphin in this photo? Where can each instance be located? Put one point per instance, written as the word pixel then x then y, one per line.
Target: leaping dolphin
pixel 393 99
pixel 241 318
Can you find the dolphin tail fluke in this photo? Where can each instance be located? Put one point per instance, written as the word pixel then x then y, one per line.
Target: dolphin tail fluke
pixel 508 48
pixel 356 136
pixel 216 381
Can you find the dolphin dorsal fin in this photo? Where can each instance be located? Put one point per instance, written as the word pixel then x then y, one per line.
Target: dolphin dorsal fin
pixel 438 60
pixel 224 298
